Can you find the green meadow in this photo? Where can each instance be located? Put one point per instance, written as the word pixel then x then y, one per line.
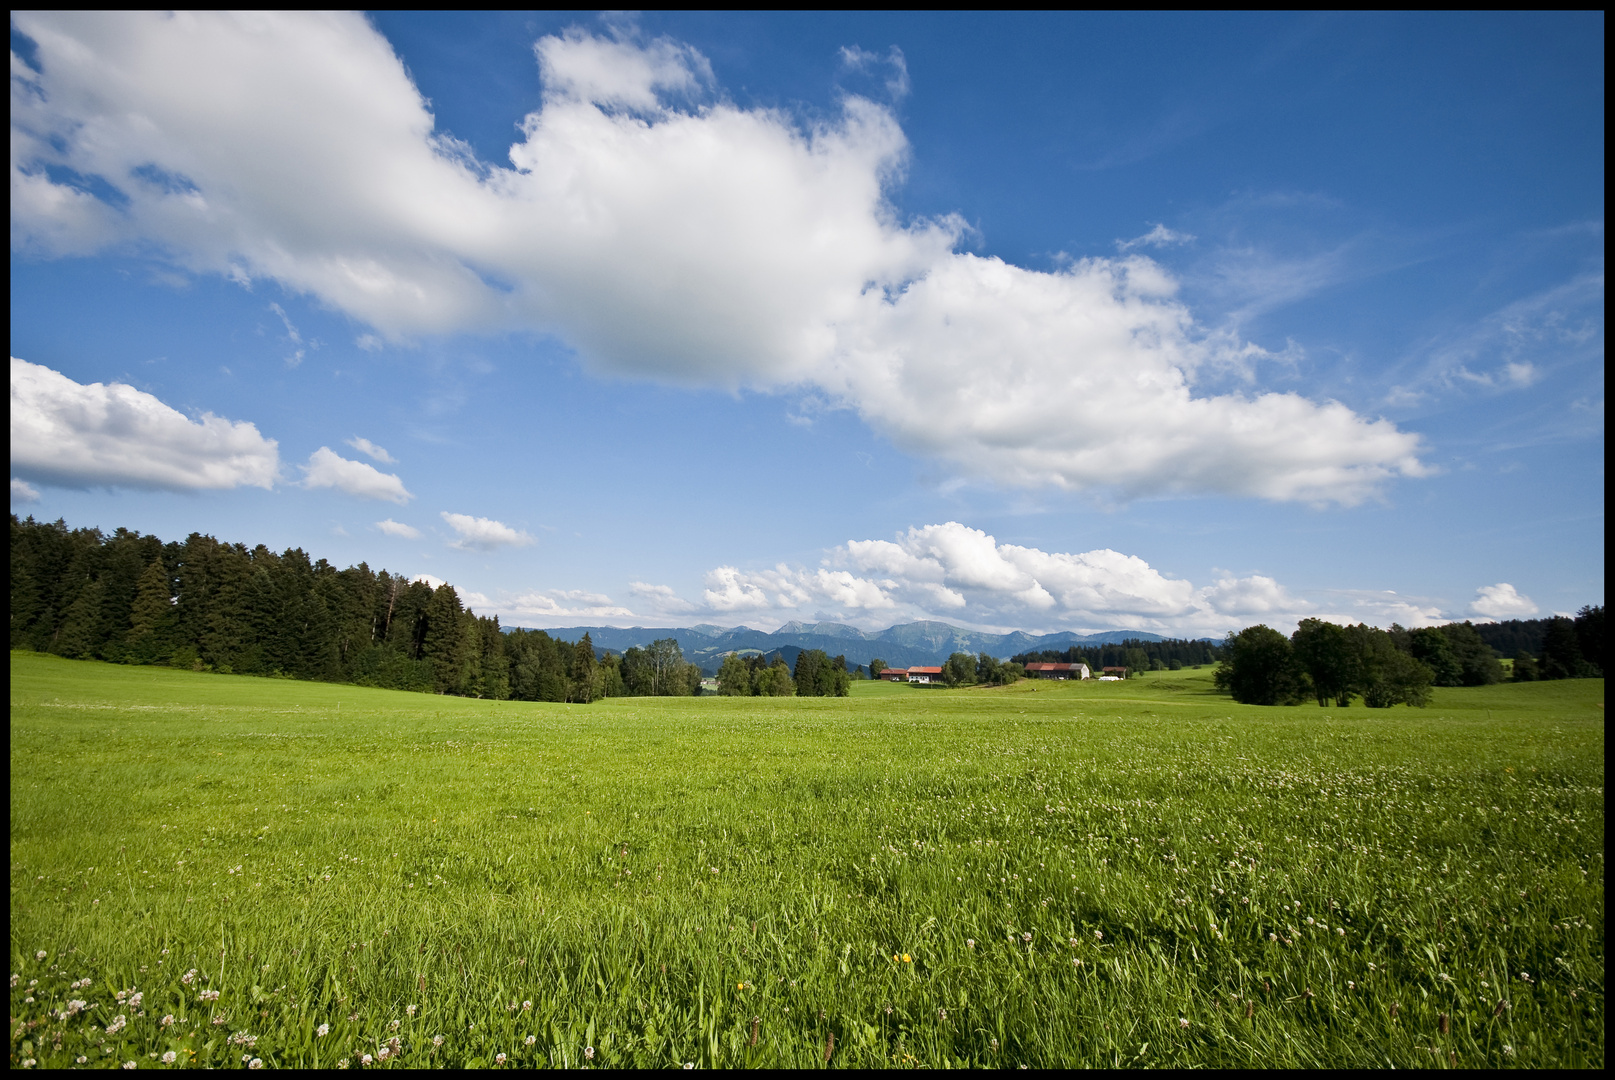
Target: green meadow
pixel 211 870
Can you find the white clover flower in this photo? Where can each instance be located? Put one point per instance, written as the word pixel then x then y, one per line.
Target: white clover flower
pixel 410 1010
pixel 383 1054
pixel 1508 1051
pixel 1182 1022
pixel 531 1039
pixel 499 1059
pixel 256 1063
pixel 130 1065
pixel 588 1052
pixel 169 1058
pixel 15 979
pixel 322 1031
pixel 970 942
pixel 366 1059
pixel 40 955
pixel 189 977
pixel 166 1021
pixel 135 999
pixel 437 1040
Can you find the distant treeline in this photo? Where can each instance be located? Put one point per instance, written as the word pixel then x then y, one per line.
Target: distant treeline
pixel 1515 638
pixel 207 606
pixel 1333 663
pixel 1134 654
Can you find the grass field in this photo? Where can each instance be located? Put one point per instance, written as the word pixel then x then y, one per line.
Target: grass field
pixel 1138 873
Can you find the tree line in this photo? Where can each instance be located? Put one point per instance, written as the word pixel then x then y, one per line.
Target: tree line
pixel 1332 663
pixel 816 674
pixel 204 605
pixel 1135 654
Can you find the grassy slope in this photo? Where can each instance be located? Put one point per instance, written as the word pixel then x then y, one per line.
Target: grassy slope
pixel 627 866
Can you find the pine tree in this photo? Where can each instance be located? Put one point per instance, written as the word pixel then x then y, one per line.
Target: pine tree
pixel 583 671
pixel 441 643
pixel 151 616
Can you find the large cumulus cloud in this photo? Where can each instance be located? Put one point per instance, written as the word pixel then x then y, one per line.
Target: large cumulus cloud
pixel 662 231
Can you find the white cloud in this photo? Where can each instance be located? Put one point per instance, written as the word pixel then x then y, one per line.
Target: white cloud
pixel 965 576
pixel 557 604
pixel 897 83
pixel 1160 236
pixel 708 244
pixel 67 433
pixel 1502 601
pixel 660 597
pixel 483 534
pixel 428 579
pixel 370 449
pixel 580 68
pixel 23 491
pixel 398 528
pixel 328 469
pixel 1256 595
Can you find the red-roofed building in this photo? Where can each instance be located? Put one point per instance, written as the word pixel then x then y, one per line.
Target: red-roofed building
pixel 924 674
pixel 894 674
pixel 1058 671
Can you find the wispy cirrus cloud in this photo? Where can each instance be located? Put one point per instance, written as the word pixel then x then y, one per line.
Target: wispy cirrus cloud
pixel 371 450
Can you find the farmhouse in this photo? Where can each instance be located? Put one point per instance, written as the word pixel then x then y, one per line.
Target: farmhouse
pixel 1113 674
pixel 894 674
pixel 924 674
pixel 1058 671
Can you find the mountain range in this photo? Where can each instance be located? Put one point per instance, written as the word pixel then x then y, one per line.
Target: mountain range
pixel 904 645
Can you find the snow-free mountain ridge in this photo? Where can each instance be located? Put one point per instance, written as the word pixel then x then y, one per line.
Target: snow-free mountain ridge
pixel 903 645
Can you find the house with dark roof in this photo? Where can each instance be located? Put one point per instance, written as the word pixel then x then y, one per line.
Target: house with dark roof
pixel 1058 671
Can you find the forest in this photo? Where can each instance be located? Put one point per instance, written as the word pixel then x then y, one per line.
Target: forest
pixel 1134 654
pixel 210 606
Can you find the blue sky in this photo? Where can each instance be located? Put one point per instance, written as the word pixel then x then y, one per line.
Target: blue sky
pixel 1175 323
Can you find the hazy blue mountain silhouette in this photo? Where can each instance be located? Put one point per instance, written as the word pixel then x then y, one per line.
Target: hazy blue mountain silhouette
pixel 903 645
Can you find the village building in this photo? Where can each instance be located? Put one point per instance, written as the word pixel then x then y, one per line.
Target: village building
pixel 1113 674
pixel 1058 671
pixel 924 674
pixel 894 674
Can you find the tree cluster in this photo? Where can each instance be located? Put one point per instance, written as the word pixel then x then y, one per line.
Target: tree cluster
pixel 817 674
pixel 755 676
pixel 208 606
pixel 1136 655
pixel 1569 649
pixel 659 670
pixel 1333 663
